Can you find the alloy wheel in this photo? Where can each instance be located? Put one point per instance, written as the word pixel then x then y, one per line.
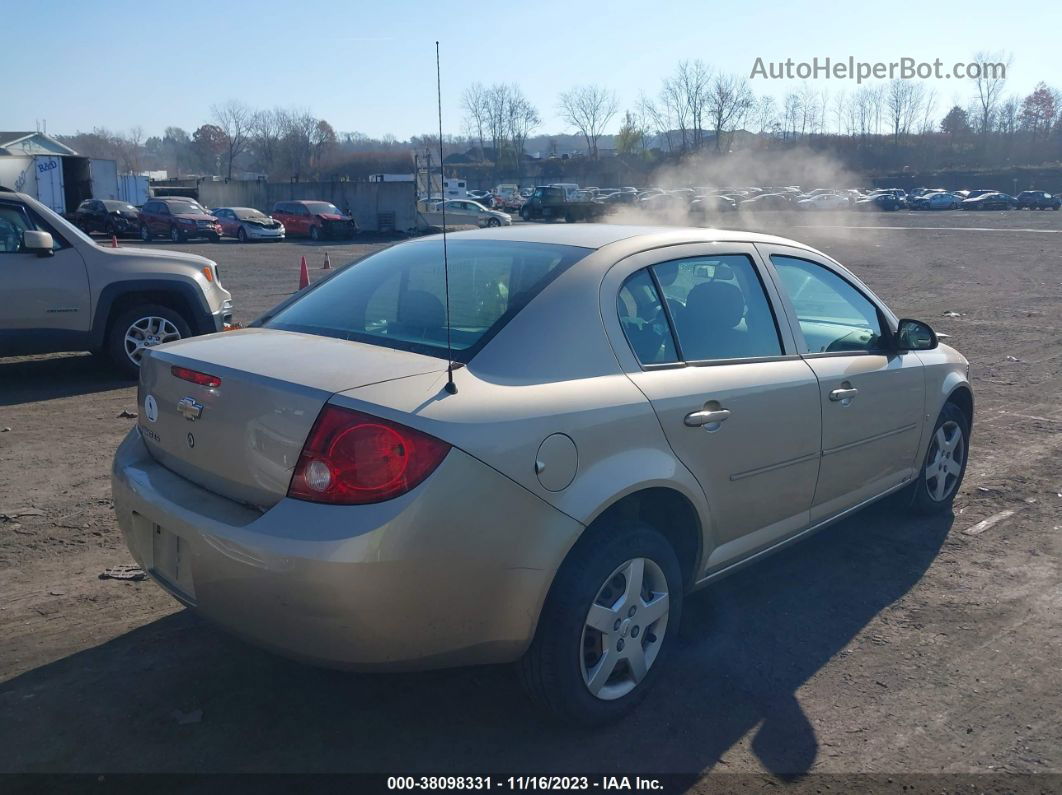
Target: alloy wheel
pixel 624 629
pixel 944 461
pixel 147 332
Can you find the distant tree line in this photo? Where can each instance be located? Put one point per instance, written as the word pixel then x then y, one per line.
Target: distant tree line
pixel 697 109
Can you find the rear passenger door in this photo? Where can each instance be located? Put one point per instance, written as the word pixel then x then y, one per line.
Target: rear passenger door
pixel 738 405
pixel 872 397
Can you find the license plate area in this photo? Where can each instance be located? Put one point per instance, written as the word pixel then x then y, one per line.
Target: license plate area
pixel 168 556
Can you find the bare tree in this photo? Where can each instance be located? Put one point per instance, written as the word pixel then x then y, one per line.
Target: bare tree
pixel 474 102
pixel 729 101
pixel 790 112
pixel 903 100
pixel 840 113
pixel 265 130
pixel 300 127
pixel 177 142
pixel 521 119
pixel 990 85
pixel 766 114
pixel 690 91
pixel 589 109
pixel 234 119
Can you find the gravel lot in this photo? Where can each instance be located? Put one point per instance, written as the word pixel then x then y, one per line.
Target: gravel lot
pixel 883 645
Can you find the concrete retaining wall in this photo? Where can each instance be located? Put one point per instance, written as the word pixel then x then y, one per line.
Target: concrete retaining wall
pixel 376 206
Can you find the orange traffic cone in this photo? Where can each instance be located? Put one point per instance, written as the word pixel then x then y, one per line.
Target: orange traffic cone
pixel 304 274
pixel 114 241
pixel 327 263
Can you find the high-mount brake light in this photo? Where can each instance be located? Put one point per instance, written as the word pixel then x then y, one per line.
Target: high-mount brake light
pixel 196 377
pixel 352 458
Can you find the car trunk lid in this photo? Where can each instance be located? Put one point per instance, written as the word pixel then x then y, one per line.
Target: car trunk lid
pixel 242 438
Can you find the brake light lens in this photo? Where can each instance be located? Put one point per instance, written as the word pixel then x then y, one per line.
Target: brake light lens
pixel 352 458
pixel 196 377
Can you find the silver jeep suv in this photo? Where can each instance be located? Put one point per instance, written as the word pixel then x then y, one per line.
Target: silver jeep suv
pixel 63 292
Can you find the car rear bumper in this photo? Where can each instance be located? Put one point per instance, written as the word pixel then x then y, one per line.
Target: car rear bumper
pixel 420 581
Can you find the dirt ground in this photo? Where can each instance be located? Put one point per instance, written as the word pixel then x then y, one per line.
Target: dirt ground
pixel 884 644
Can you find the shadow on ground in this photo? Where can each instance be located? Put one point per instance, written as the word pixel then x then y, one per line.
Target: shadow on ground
pixel 748 643
pixel 36 380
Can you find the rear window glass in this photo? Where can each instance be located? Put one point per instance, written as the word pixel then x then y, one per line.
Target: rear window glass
pixel 397 297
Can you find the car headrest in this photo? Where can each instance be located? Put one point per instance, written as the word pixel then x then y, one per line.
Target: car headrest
pixel 715 305
pixel 421 309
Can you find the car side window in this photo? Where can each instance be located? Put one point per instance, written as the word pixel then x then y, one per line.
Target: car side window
pixel 13 222
pixel 833 315
pixel 719 308
pixel 644 322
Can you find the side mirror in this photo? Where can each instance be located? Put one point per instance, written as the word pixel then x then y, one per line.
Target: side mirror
pixel 39 242
pixel 914 335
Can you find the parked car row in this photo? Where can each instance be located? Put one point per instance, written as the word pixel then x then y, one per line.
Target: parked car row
pixel 180 218
pixel 703 201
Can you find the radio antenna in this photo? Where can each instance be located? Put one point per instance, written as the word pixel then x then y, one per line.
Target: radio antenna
pixel 451 387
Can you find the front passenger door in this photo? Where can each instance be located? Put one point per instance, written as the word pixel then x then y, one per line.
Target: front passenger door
pixel 39 293
pixel 872 397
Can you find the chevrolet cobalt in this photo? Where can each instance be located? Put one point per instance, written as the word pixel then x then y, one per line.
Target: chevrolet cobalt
pixel 633 413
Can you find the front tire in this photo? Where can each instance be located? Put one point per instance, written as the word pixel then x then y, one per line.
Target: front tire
pixel 242 235
pixel 176 235
pixel 493 222
pixel 140 328
pixel 609 622
pixel 942 470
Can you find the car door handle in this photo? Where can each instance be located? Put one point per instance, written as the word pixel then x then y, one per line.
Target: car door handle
pixel 698 418
pixel 843 394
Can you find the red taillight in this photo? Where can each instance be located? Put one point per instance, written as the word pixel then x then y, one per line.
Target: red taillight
pixel 196 377
pixel 352 458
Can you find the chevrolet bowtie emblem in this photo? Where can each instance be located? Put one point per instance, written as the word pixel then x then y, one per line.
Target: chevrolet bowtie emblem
pixel 190 408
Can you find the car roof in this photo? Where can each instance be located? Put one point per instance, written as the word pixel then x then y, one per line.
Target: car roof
pixel 595 236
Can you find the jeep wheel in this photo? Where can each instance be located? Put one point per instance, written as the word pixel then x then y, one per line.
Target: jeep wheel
pixel 139 328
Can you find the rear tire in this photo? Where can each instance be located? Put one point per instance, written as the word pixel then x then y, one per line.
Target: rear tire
pixel 145 233
pixel 579 674
pixel 944 466
pixel 142 327
pixel 315 233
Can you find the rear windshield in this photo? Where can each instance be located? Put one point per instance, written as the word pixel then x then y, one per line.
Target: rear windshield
pixel 322 208
pixel 187 208
pixel 113 205
pixel 397 298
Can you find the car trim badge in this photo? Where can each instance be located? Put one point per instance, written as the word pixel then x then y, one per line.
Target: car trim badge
pixel 190 408
pixel 151 408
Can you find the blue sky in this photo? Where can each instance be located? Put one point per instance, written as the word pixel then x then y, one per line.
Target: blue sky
pixel 370 66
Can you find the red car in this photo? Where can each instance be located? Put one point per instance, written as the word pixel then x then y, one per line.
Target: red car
pixel 179 219
pixel 316 220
